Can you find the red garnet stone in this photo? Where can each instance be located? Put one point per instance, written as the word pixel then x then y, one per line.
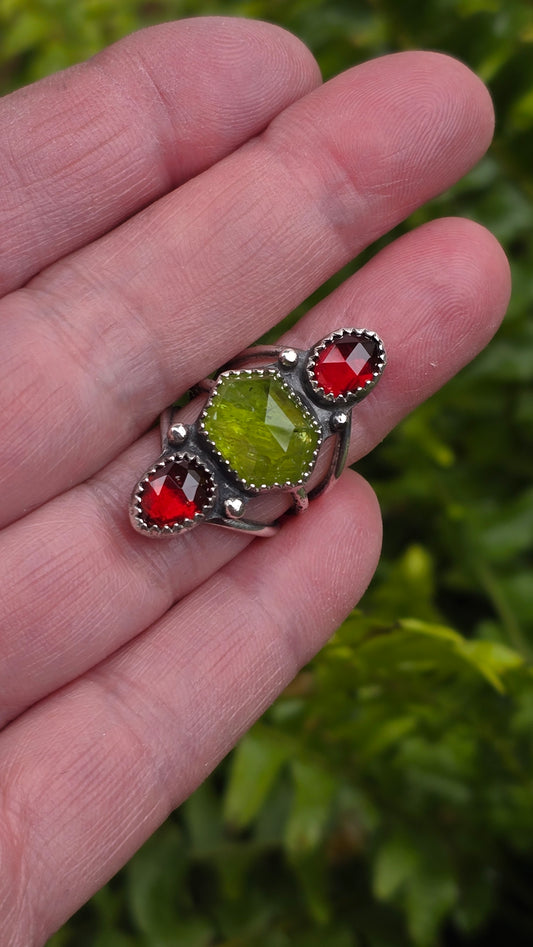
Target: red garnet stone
pixel 344 366
pixel 175 492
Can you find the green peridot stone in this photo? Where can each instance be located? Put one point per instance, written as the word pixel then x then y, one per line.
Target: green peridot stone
pixel 261 429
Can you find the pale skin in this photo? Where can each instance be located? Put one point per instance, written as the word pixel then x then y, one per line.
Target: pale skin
pixel 161 207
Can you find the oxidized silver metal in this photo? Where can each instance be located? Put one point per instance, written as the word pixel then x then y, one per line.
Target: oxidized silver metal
pixel 228 493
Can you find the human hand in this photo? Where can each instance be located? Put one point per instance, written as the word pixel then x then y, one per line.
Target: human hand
pixel 162 206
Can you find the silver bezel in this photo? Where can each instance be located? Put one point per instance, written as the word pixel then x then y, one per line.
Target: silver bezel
pixel 138 517
pixel 262 373
pixel 359 393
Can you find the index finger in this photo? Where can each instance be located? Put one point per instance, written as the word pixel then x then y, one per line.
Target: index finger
pixel 84 149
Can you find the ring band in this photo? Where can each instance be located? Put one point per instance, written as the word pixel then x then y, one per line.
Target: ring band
pixel 267 417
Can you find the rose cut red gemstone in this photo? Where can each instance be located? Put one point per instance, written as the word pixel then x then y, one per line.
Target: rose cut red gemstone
pixel 175 492
pixel 344 366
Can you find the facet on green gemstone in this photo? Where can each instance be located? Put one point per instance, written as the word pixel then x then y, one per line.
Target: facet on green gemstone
pixel 261 428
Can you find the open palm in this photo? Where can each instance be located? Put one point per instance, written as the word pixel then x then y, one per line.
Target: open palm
pixel 162 206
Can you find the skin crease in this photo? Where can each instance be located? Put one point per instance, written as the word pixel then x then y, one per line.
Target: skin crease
pixel 145 244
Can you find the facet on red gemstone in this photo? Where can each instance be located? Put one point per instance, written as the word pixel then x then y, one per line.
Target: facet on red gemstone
pixel 175 492
pixel 347 364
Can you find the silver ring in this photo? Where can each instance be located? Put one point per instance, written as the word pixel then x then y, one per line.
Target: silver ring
pixel 263 429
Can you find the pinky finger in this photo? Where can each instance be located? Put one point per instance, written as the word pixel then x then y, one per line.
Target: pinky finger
pixel 98 766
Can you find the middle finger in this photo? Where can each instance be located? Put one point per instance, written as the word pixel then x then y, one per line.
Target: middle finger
pixel 104 339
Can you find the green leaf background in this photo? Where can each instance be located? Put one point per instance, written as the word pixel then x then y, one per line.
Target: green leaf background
pixel 386 799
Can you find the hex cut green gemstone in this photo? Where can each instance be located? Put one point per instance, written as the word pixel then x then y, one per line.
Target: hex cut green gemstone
pixel 261 428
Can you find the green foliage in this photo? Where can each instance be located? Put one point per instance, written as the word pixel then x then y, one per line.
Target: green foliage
pixel 385 800
pixel 387 790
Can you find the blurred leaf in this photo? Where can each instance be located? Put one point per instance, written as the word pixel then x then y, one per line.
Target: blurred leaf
pixel 203 820
pixel 509 532
pixel 396 861
pixel 522 112
pixel 475 899
pixel 158 896
pixel 60 939
pixel 431 894
pixel 26 30
pixel 439 632
pixel 114 938
pixel 493 660
pixel 311 871
pixel 256 764
pixel 314 789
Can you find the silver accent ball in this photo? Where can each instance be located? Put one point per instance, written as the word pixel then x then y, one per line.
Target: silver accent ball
pixel 177 433
pixel 234 508
pixel 338 420
pixel 288 358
